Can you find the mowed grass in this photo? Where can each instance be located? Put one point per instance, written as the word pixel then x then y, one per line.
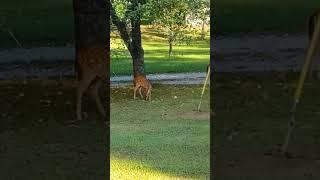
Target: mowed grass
pixel 256 106
pixel 262 16
pixel 186 58
pixel 161 139
pixel 127 170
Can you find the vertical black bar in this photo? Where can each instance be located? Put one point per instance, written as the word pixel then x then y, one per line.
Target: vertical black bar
pixel 212 103
pixel 108 98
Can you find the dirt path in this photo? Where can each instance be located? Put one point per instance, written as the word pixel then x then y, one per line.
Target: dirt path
pixel 263 53
pixel 259 53
pixel 168 78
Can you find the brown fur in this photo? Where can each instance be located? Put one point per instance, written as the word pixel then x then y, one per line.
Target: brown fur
pixel 92 67
pixel 141 82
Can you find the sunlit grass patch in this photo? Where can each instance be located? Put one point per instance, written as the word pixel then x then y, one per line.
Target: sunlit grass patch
pixel 128 170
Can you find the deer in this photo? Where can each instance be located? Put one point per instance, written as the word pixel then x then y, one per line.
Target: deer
pixel 141 82
pixel 92 69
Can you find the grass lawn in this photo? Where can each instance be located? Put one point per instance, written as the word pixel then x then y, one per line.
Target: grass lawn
pixel 256 106
pixel 161 139
pixel 259 16
pixel 187 58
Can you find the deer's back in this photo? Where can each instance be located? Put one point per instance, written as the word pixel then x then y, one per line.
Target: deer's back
pixel 142 81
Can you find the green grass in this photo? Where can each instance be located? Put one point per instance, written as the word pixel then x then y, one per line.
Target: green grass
pixel 260 16
pixel 124 169
pixel 161 138
pixel 187 58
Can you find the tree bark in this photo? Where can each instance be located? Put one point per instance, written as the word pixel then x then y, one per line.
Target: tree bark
pixel 170 41
pixel 132 39
pixel 92 19
pixel 202 29
pixel 170 49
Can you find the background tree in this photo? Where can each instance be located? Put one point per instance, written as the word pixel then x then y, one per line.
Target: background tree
pixel 202 12
pixel 126 16
pixel 170 17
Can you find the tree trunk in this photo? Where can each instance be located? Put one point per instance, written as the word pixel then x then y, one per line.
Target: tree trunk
pixel 202 29
pixel 91 24
pixel 137 51
pixel 170 40
pixel 132 40
pixel 170 49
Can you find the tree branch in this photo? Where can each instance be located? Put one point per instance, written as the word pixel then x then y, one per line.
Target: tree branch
pixel 121 26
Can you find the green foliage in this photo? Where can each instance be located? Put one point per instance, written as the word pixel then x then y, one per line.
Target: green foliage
pixel 120 50
pixel 127 10
pixel 170 16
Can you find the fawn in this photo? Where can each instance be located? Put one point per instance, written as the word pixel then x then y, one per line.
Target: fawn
pixel 92 68
pixel 141 82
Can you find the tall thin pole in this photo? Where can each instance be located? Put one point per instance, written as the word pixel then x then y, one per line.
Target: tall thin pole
pixel 298 92
pixel 204 87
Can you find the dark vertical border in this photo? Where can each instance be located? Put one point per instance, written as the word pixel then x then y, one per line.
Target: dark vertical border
pixel 108 98
pixel 212 29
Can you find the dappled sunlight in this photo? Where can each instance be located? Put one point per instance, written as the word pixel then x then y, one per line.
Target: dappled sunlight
pixel 122 169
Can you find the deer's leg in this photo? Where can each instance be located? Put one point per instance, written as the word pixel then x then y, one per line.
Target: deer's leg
pixel 149 94
pixel 95 94
pixel 82 88
pixel 140 93
pixel 135 91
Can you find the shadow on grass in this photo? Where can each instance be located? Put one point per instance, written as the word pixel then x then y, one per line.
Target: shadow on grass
pixel 37 138
pixel 256 106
